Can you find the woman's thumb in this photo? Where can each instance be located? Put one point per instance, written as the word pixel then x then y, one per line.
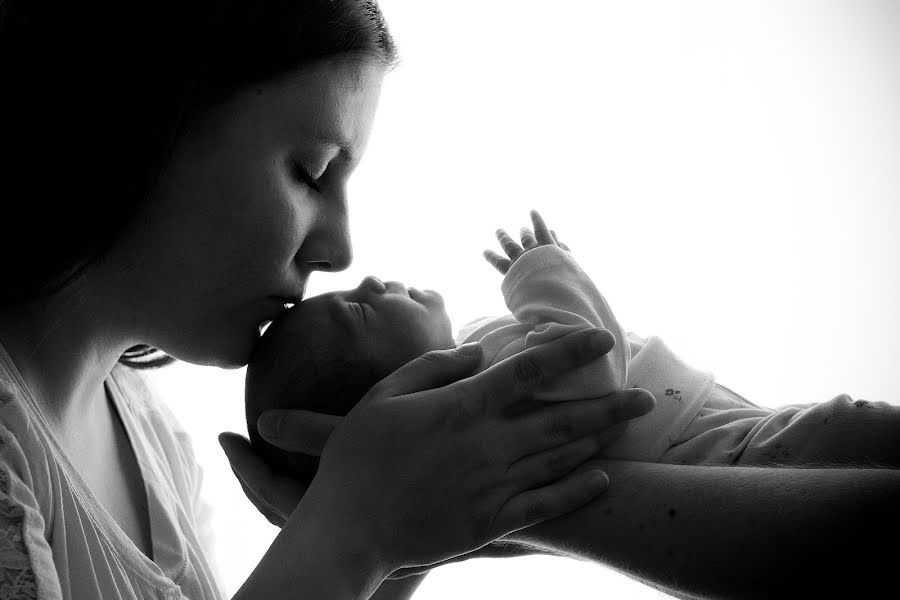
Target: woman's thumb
pixel 433 370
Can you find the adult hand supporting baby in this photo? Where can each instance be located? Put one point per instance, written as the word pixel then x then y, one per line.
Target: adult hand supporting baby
pixel 553 440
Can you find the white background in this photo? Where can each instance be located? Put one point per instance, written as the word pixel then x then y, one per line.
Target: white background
pixel 727 172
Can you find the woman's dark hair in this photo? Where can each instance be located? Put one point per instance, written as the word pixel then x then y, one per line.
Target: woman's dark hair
pixel 95 95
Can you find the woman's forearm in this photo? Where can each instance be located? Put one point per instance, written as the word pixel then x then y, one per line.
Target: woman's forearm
pixel 311 560
pixel 728 532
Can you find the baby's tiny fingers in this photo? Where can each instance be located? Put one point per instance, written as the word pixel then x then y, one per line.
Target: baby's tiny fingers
pixel 541 232
pixel 528 241
pixel 509 245
pixel 558 243
pixel 497 261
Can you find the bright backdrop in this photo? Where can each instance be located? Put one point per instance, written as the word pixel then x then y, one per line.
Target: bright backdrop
pixel 727 172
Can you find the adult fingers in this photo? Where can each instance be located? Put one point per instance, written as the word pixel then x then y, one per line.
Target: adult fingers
pixel 498 262
pixel 608 436
pixel 533 506
pixel 528 239
pixel 496 549
pixel 270 492
pixel 509 245
pixel 561 422
pixel 297 430
pixel 431 370
pixel 265 510
pixel 544 467
pixel 504 385
pixel 541 231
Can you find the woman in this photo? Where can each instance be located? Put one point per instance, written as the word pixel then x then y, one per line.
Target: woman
pixel 171 178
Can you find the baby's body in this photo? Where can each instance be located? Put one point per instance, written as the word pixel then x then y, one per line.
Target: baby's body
pixel 550 296
pixel 360 336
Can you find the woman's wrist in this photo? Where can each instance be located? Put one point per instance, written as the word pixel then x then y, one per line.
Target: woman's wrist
pixel 315 557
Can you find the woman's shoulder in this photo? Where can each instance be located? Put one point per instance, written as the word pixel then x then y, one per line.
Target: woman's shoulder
pixel 25 456
pixel 17 418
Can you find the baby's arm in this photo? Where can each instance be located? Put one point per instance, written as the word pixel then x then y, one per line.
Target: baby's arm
pixel 544 287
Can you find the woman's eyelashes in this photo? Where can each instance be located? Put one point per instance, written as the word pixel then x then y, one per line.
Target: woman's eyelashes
pixel 304 176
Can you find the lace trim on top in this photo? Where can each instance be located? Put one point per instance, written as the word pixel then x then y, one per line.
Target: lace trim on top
pixel 17 581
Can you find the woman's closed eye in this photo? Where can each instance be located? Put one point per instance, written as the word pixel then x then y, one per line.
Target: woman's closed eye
pixel 304 177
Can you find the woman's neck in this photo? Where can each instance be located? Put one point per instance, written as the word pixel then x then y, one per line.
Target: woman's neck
pixel 64 347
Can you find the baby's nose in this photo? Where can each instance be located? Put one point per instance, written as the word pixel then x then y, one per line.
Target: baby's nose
pixel 396 287
pixel 372 283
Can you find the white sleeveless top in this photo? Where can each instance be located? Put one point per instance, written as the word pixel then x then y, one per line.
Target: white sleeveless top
pixel 56 539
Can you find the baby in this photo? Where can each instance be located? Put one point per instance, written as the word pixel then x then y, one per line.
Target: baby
pixel 326 352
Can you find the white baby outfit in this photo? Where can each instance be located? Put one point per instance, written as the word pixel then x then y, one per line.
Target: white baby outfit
pixel 695 420
pixel 56 539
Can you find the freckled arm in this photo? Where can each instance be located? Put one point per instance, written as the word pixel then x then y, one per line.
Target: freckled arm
pixel 738 532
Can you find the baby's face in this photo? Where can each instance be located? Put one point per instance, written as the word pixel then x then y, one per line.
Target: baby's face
pixel 383 324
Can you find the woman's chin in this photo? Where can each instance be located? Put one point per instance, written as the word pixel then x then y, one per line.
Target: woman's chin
pixel 228 353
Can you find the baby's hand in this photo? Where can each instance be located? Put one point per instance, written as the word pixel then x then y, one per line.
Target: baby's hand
pixel 542 236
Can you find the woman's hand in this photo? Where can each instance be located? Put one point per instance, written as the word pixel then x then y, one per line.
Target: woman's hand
pixel 273 494
pixel 429 465
pixel 600 421
pixel 276 496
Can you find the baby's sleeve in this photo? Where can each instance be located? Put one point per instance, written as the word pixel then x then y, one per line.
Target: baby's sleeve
pixel 547 289
pixel 27 571
pixel 841 431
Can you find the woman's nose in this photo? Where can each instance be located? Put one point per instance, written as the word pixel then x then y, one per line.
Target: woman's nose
pixel 331 248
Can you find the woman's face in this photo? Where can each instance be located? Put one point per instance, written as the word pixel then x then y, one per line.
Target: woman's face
pixel 253 200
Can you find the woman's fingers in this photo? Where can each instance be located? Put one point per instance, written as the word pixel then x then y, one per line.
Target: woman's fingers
pixel 265 510
pixel 545 467
pixel 497 261
pixel 510 246
pixel 274 495
pixel 297 430
pixel 608 436
pixel 561 422
pixel 507 383
pixel 533 506
pixel 541 231
pixel 432 370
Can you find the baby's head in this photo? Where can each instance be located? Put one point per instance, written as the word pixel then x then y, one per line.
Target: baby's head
pixel 326 352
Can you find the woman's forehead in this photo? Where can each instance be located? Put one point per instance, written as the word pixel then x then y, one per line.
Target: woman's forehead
pixel 331 103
